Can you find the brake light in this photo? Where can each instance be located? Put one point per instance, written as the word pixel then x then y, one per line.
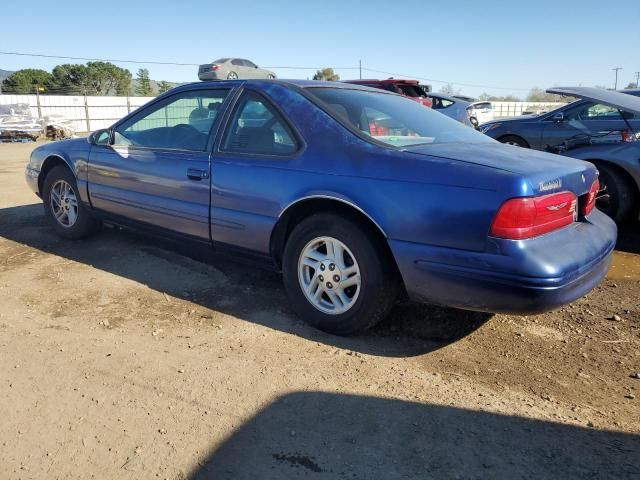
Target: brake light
pixel 214 67
pixel 527 217
pixel 591 198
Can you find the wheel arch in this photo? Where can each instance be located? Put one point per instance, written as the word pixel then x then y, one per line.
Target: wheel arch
pixel 300 209
pixel 501 137
pixel 49 163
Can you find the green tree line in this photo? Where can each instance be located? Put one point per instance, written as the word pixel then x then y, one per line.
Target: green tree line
pixel 94 78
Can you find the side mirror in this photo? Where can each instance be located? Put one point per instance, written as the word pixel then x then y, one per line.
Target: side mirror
pixel 100 137
pixel 558 117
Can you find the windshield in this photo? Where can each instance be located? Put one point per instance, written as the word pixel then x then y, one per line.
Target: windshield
pixel 412 90
pixel 395 120
pixel 220 60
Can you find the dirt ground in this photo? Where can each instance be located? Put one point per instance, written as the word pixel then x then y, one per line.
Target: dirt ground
pixel 125 358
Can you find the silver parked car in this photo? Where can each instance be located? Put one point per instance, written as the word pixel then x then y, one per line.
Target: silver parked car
pixel 450 106
pixel 231 69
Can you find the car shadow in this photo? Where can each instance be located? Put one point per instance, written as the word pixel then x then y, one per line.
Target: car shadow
pixel 326 435
pixel 248 291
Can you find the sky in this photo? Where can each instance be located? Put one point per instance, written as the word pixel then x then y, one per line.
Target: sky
pixel 498 47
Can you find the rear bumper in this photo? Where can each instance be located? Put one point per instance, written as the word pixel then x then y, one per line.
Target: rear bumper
pixel 520 277
pixel 209 76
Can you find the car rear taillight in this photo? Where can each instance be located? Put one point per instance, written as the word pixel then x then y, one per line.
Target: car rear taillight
pixel 591 198
pixel 627 136
pixel 526 217
pixel 214 67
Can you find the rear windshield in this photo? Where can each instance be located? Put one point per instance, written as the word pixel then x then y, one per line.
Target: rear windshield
pixel 393 119
pixel 412 90
pixel 220 60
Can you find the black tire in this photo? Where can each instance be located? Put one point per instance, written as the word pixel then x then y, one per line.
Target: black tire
pixel 232 76
pixel 85 224
pixel 378 287
pixel 514 140
pixel 622 202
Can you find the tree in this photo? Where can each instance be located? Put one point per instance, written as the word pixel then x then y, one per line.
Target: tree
pixel 26 81
pixel 326 74
pixel 105 78
pixel 97 78
pixel 164 86
pixel 631 85
pixel 449 89
pixel 144 84
pixel 495 98
pixel 536 94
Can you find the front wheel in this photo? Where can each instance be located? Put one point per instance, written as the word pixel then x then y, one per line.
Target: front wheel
pixel 63 208
pixel 514 140
pixel 338 278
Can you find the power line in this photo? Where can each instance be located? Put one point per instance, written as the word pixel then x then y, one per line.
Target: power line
pixel 97 59
pixel 443 81
pixel 360 68
pixel 151 62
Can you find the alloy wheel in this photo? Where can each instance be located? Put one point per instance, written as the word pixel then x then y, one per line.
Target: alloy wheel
pixel 64 203
pixel 329 275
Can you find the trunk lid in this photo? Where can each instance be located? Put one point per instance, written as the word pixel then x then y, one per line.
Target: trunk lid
pixel 545 172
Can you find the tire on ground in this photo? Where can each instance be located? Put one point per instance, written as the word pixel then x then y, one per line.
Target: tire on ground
pixel 85 224
pixel 623 201
pixel 379 283
pixel 514 140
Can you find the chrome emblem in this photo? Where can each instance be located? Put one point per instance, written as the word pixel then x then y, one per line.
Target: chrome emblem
pixel 552 185
pixel 553 208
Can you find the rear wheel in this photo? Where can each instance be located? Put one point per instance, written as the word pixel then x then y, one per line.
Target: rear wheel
pixel 338 279
pixel 63 208
pixel 514 140
pixel 617 198
pixel 232 76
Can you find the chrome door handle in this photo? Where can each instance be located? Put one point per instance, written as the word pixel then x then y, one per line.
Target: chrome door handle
pixel 197 174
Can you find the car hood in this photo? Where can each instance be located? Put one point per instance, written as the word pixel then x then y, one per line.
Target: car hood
pixel 623 101
pixel 538 168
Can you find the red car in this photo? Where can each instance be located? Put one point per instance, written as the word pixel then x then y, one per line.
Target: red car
pixel 408 88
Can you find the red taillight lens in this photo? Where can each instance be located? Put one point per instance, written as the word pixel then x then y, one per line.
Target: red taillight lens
pixel 527 217
pixel 591 198
pixel 214 67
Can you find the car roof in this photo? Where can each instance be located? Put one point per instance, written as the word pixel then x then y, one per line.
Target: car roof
pixel 445 97
pixel 291 82
pixel 388 81
pixel 628 100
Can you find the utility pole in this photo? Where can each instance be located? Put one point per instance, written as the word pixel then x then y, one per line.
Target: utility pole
pixel 637 79
pixel 615 86
pixel 360 65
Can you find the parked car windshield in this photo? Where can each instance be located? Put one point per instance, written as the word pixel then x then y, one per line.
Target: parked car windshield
pixel 220 60
pixel 393 119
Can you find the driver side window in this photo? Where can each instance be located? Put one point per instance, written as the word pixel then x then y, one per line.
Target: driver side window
pixel 256 127
pixel 182 122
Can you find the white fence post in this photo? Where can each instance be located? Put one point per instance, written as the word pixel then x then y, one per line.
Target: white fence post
pixel 86 112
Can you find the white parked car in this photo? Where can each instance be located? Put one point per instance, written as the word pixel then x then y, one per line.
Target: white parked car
pixel 480 111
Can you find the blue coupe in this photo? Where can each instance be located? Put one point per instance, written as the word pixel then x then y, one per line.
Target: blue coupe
pixel 356 194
